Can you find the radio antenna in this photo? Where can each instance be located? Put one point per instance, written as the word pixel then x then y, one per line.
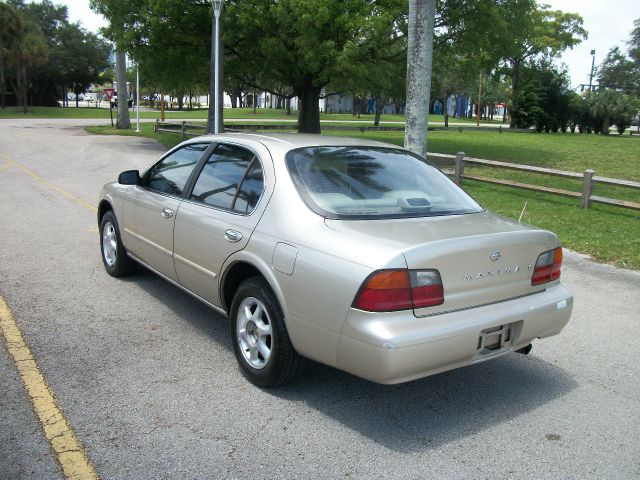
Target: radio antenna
pixel 522 212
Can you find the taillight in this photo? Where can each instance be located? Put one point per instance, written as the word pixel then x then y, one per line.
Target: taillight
pixel 426 288
pixel 547 267
pixel 390 290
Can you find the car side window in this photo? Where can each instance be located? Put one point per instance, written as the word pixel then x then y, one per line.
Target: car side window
pixel 231 179
pixel 170 175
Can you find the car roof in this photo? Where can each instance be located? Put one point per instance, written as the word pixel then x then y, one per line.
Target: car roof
pixel 290 141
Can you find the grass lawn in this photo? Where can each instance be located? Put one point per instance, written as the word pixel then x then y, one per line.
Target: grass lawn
pixel 55 112
pixel 146 130
pixel 610 156
pixel 608 234
pixel 229 114
pixel 616 156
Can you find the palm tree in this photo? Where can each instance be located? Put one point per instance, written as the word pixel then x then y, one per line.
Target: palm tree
pixel 30 51
pixel 123 122
pixel 419 63
pixel 11 28
pixel 605 104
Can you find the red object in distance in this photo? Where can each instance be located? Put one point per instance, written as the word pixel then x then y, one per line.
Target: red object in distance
pixel 109 92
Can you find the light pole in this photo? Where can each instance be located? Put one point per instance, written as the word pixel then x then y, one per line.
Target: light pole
pixel 593 62
pixel 137 98
pixel 217 7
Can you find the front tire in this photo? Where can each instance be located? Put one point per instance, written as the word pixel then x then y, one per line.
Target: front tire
pixel 114 257
pixel 261 343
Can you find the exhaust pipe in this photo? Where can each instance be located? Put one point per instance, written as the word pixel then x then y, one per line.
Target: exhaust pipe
pixel 525 350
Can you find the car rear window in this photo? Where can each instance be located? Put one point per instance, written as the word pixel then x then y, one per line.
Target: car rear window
pixel 372 182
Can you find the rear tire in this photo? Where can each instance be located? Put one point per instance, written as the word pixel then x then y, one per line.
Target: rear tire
pixel 261 343
pixel 114 257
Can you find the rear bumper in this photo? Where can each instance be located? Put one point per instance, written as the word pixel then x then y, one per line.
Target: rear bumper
pixel 398 347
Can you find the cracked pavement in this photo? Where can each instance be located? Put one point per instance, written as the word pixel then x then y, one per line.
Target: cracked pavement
pixel 146 377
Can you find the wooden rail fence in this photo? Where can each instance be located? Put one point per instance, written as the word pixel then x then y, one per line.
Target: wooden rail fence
pixel 588 180
pixel 181 128
pixel 588 177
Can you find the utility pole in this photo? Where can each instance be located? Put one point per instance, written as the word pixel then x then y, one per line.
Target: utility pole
pixel 593 62
pixel 216 96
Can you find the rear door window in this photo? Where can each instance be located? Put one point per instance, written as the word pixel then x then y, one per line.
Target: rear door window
pixel 231 179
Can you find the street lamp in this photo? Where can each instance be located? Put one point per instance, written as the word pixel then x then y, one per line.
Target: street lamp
pixel 137 98
pixel 593 62
pixel 217 7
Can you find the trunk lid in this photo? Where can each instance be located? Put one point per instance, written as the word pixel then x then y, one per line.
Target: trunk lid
pixel 482 258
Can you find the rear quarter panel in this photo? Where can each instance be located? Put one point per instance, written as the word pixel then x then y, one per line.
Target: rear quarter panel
pixel 318 294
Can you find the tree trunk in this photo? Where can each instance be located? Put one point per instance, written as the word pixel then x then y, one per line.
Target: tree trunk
pixel 419 64
pixel 18 87
pixel 444 96
pixel 24 87
pixel 123 121
pixel 288 106
pixel 606 123
pixel 308 109
pixel 380 103
pixel 2 80
pixel 515 83
pixel 180 101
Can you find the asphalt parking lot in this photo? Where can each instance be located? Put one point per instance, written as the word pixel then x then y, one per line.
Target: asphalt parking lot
pixel 146 377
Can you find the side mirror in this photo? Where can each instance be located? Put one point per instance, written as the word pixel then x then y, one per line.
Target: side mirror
pixel 129 177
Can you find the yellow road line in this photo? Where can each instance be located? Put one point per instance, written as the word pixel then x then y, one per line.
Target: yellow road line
pixel 4 166
pixel 33 174
pixel 62 438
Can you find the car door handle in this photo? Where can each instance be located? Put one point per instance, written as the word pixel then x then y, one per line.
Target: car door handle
pixel 233 236
pixel 167 213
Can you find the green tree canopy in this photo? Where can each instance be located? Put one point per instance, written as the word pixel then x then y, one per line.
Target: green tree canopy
pixel 54 54
pixel 11 32
pixel 307 44
pixel 621 71
pixel 169 39
pixel 534 32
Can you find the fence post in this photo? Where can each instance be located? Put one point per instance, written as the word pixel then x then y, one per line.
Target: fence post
pixel 459 168
pixel 155 127
pixel 184 130
pixel 587 186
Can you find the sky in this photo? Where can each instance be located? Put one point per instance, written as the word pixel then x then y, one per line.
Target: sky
pixel 609 23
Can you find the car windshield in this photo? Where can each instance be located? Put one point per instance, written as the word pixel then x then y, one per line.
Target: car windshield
pixel 371 182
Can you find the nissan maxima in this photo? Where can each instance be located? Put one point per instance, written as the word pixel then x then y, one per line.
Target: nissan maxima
pixel 356 254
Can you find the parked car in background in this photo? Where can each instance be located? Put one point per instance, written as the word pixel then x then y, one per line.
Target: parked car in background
pixel 356 254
